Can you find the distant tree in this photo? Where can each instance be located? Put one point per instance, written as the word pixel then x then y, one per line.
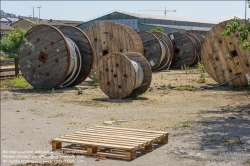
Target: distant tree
pixel 157 29
pixel 10 43
pixel 242 26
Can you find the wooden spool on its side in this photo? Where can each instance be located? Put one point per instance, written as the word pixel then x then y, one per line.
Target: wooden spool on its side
pixel 117 76
pixel 224 59
pixel 152 49
pixel 109 37
pixel 170 50
pixel 47 65
pixel 184 50
pixel 86 50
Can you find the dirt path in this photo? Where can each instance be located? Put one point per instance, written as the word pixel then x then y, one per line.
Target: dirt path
pixel 218 121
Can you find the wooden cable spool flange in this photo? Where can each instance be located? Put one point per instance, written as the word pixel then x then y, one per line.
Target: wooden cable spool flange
pixel 224 59
pixel 47 64
pixel 197 45
pixel 170 50
pixel 184 50
pixel 117 75
pixel 152 49
pixel 109 37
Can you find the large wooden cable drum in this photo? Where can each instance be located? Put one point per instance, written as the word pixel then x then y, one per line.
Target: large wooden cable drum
pixel 46 62
pixel 109 37
pixel 184 50
pixel 197 46
pixel 170 50
pixel 152 49
pixel 224 59
pixel 117 75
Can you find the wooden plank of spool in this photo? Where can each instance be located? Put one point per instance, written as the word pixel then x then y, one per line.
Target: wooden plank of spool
pixel 169 53
pixel 116 75
pixel 147 77
pixel 223 58
pixel 197 46
pixel 109 37
pixel 184 50
pixel 85 48
pixel 152 49
pixel 47 65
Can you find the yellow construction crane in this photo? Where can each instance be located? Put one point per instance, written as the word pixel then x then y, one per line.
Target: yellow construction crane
pixel 165 11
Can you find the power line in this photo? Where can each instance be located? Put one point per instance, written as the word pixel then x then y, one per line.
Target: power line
pixel 165 11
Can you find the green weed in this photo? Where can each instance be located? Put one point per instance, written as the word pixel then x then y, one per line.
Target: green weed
pixel 186 87
pixel 17 110
pixel 112 118
pixel 186 124
pixel 94 81
pixel 20 82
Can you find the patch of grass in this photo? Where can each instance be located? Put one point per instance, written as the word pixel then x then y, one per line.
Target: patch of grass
pixel 201 68
pixel 17 110
pixel 20 82
pixel 112 118
pixel 52 91
pixel 94 81
pixel 186 87
pixel 232 141
pixel 186 124
pixel 22 98
pixel 79 91
pixel 202 78
pixel 32 110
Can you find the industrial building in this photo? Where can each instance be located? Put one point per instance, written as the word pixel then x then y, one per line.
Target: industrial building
pixel 143 22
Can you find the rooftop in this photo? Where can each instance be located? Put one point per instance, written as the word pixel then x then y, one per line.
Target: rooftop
pixel 5 27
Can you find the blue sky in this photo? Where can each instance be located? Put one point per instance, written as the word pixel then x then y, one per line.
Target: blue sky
pixel 85 10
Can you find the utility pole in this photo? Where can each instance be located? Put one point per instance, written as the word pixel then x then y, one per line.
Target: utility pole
pixel 165 11
pixel 39 12
pixel 246 10
pixel 33 12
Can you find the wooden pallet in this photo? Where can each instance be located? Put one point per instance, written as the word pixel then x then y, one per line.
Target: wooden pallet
pixel 111 142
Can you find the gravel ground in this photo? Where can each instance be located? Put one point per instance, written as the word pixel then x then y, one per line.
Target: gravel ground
pixel 217 120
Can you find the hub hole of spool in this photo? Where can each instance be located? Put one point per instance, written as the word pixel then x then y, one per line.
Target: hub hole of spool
pixel 52 43
pixel 120 50
pixel 95 39
pixel 176 51
pixel 117 65
pixel 230 71
pixel 105 52
pixel 47 74
pixel 104 42
pixel 217 59
pixel 125 75
pixel 56 61
pixel 230 43
pixel 233 53
pixel 220 41
pixel 107 69
pixel 108 83
pixel 115 75
pixel 247 65
pixel 42 57
pixel 45 48
pixel 119 86
pixel 37 40
pixel 237 63
pixel 111 70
